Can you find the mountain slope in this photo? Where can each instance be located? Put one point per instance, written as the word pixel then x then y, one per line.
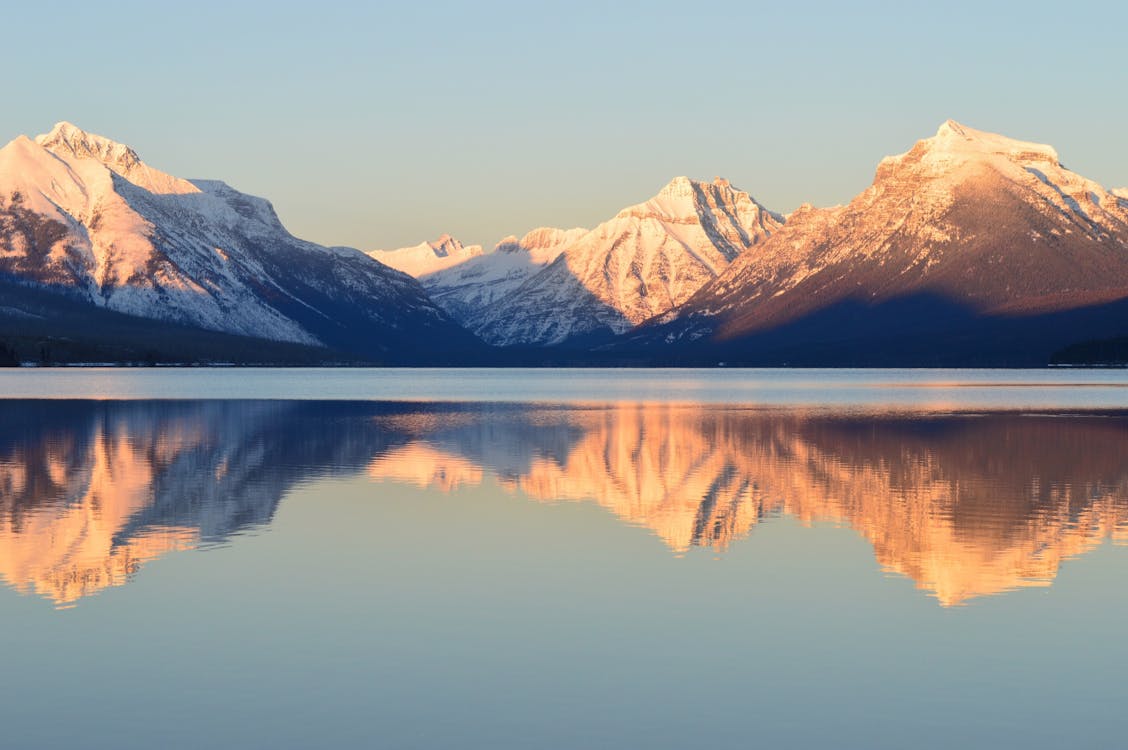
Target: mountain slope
pixel 968 245
pixel 470 289
pixel 646 260
pixel 84 215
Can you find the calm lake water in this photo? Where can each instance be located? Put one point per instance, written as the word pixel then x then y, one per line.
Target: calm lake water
pixel 558 559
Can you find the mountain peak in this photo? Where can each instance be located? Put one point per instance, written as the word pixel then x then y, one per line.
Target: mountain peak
pixel 445 245
pixel 684 198
pixel 950 128
pixel 958 139
pixel 427 257
pixel 687 187
pixel 678 187
pixel 73 140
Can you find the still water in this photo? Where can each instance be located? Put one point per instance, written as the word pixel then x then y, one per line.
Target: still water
pixel 553 559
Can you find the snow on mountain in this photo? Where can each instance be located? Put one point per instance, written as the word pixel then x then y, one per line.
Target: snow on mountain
pixel 644 261
pixel 72 143
pixel 468 290
pixel 986 225
pixel 84 215
pixel 427 257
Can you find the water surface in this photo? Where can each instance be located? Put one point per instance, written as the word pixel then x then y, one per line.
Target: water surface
pixel 804 571
pixel 914 389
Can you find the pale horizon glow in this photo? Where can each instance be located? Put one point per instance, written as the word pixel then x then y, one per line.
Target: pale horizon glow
pixel 386 126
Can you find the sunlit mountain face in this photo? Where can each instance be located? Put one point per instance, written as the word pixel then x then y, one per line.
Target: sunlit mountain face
pixel 966 505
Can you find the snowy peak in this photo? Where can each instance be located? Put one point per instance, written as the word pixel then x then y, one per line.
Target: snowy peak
pixel 686 187
pixel 963 165
pixel 678 199
pixel 684 200
pixel 957 148
pixel 444 245
pixel 72 140
pixel 952 137
pixel 427 257
pixel 543 244
pixel 679 187
pixel 712 221
pixel 71 143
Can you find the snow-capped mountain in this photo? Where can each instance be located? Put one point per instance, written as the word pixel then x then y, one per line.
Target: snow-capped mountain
pixel 427 257
pixel 468 290
pixel 83 215
pixel 646 260
pixel 970 242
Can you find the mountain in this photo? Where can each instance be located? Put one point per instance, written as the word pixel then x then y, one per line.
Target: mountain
pixel 554 285
pixel 82 217
pixel 468 290
pixel 971 248
pixel 646 260
pixel 427 257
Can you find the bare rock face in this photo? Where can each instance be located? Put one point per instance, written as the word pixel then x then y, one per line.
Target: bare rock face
pixel 84 216
pixel 982 226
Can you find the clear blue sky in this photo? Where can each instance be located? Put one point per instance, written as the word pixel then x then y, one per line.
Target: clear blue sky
pixel 384 125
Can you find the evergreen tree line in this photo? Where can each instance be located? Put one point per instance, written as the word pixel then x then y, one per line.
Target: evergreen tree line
pixel 8 356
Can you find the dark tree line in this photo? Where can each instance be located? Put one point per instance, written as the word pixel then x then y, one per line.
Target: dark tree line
pixel 1109 352
pixel 8 356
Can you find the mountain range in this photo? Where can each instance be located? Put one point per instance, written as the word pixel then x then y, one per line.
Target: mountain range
pixel 644 261
pixel 970 248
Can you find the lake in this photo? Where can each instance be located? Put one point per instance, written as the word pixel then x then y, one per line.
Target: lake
pixel 558 559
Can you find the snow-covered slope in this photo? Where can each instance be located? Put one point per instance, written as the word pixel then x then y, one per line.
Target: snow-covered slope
pixel 84 215
pixel 427 257
pixel 646 260
pixel 470 289
pixel 974 224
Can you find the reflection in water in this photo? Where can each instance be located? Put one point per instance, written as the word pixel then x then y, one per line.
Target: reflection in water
pixel 965 505
pixel 89 491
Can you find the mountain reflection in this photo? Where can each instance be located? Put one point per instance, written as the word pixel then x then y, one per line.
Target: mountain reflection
pixel 965 505
pixel 90 491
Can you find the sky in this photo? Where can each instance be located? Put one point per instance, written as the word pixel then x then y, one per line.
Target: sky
pixel 380 125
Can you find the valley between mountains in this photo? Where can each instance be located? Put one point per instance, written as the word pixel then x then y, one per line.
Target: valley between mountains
pixel 969 249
